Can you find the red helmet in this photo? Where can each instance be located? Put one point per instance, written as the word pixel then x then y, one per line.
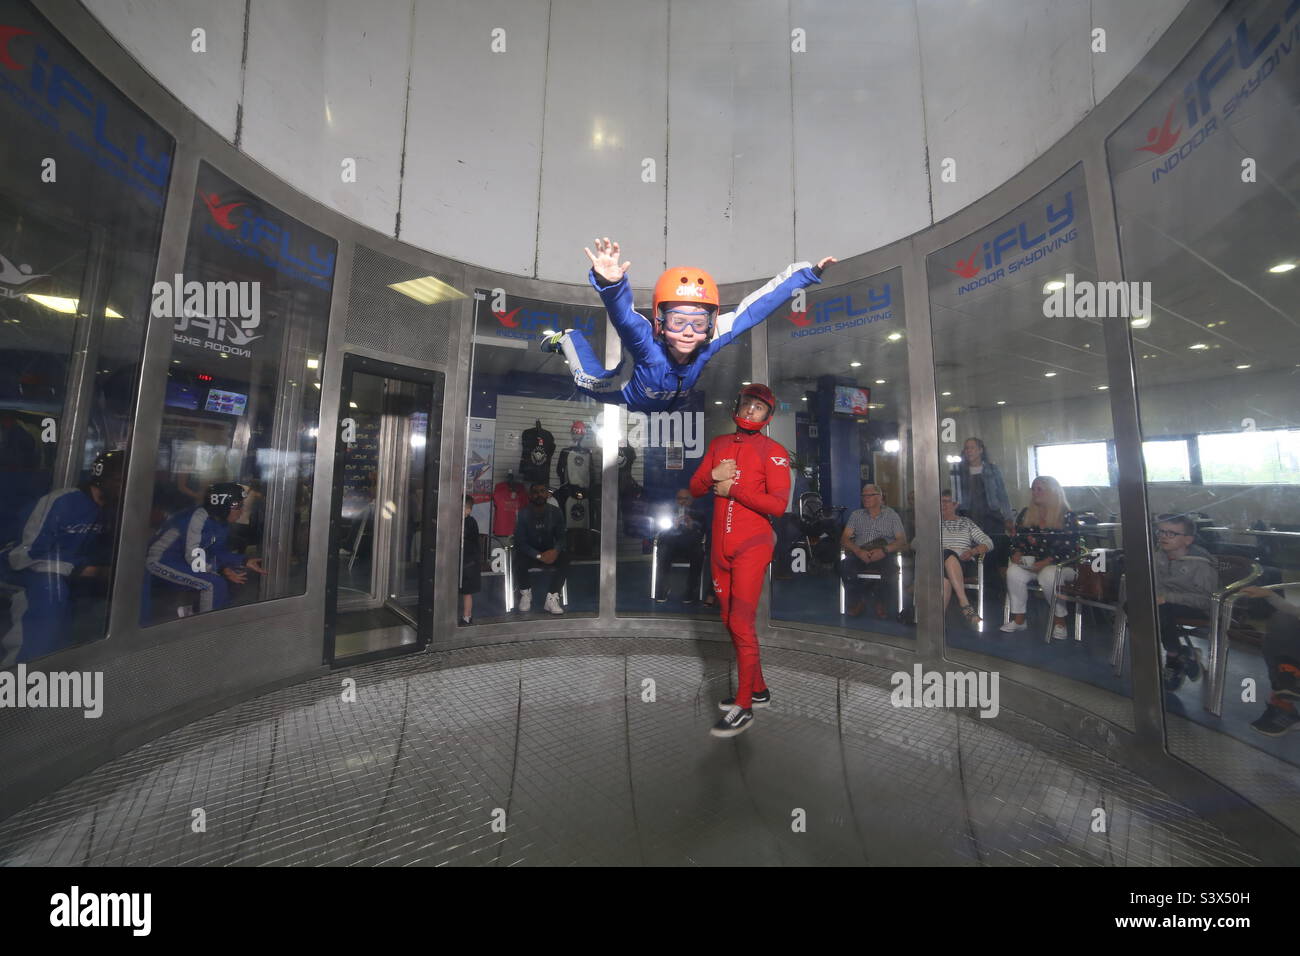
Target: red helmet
pixel 764 395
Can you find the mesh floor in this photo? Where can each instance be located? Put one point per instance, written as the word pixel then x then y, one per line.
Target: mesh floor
pixel 554 753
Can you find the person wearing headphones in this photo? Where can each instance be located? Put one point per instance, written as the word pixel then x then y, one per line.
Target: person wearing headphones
pixel 191 551
pixel 749 475
pixel 669 353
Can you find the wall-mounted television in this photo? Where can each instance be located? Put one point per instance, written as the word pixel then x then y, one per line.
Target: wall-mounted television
pixel 228 403
pixel 851 400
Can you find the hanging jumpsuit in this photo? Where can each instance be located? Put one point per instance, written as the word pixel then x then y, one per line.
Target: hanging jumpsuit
pixel 743 539
pixel 657 383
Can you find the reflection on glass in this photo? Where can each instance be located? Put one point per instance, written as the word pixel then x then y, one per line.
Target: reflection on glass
pixel 1020 369
pixel 1216 374
pixel 844 559
pixel 77 257
pixel 241 407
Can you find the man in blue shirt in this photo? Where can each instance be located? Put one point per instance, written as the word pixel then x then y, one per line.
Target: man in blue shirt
pixel 57 539
pixel 539 543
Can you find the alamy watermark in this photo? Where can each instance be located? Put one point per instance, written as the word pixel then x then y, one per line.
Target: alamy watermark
pixel 1086 299
pixel 922 688
pixel 76 689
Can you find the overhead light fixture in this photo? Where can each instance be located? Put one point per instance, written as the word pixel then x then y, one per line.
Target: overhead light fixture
pixel 1001 403
pixel 352 404
pixel 1102 388
pixel 1049 375
pixel 746 383
pixel 880 381
pixel 803 398
pixel 1141 322
pixel 64 305
pixel 1053 285
pixel 313 363
pixel 1197 346
pixel 428 291
pixel 1283 267
pixel 945 394
pixel 855 365
pixel 894 336
pixel 892 446
pixel 1243 366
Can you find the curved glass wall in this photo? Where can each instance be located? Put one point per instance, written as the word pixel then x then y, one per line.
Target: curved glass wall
pixel 529 427
pixel 1027 444
pixel 845 556
pixel 1207 183
pixel 83 178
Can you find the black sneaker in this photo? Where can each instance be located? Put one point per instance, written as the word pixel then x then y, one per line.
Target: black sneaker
pixel 758 701
pixel 552 343
pixel 735 721
pixel 1276 721
pixel 1192 663
pixel 1174 675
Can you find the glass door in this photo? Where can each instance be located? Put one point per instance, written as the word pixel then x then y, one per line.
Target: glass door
pixel 384 513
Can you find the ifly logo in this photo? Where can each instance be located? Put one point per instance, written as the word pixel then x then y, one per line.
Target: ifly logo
pixel 827 309
pixel 531 321
pixel 1021 237
pixel 53 94
pixel 13 278
pixel 1246 45
pixel 267 241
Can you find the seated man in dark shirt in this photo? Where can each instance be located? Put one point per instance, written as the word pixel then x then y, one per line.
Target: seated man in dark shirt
pixel 682 541
pixel 539 543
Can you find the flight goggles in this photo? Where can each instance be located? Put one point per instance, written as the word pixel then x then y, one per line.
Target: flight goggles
pixel 676 320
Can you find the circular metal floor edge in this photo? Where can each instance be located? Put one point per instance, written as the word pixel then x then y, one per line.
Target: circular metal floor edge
pixel 596 752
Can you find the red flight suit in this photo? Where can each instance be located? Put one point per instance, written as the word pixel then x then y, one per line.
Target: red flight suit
pixel 743 539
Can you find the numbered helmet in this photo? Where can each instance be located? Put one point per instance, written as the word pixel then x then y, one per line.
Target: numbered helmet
pixel 107 466
pixel 764 395
pixel 221 498
pixel 684 284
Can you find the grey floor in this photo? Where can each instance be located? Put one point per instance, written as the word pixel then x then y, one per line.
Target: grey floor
pixel 549 753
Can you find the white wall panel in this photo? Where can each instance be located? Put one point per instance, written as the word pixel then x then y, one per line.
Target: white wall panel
pixel 1131 30
pixel 326 81
pixel 730 196
pixel 1003 81
pixel 474 135
pixel 859 173
pixel 158 34
pixel 606 111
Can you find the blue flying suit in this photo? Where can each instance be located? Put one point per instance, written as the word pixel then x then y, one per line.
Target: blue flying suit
pixel 171 553
pixel 657 383
pixel 56 537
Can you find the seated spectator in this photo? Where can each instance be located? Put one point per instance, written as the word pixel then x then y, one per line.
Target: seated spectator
pixel 873 535
pixel 683 541
pixel 539 543
pixel 1046 534
pixel 1186 579
pixel 962 539
pixel 1282 655
pixel 191 552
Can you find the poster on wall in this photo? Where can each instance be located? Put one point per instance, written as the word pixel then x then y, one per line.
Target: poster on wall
pixel 478 467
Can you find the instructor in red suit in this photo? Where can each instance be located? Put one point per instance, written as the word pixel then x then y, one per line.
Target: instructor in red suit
pixel 750 475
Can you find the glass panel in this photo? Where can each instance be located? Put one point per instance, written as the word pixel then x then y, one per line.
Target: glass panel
pixel 242 406
pixel 1025 427
pixel 1207 182
pixel 842 365
pixel 1167 460
pixel 83 176
pixel 529 423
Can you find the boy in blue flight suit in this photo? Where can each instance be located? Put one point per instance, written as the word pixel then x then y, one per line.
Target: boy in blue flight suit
pixel 55 548
pixel 669 353
pixel 172 554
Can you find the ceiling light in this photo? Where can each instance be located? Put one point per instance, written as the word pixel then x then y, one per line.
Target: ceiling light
pixel 1141 322
pixel 352 404
pixel 1049 375
pixel 428 291
pixel 892 446
pixel 1001 403
pixel 945 394
pixel 1102 388
pixel 313 363
pixel 803 398
pixel 880 381
pixel 894 336
pixel 1243 366
pixel 1197 346
pixel 746 383
pixel 717 403
pixel 855 365
pixel 1054 285
pixel 1283 267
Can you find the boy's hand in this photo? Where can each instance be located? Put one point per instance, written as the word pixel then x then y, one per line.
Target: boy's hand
pixel 821 266
pixel 605 261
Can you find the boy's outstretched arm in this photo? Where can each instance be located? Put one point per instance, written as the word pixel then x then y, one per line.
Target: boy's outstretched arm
pixel 763 301
pixel 609 279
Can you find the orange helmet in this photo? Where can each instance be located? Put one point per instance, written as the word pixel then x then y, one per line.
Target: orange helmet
pixel 685 284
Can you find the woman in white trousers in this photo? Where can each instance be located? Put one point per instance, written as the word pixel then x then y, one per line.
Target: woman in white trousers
pixel 1046 534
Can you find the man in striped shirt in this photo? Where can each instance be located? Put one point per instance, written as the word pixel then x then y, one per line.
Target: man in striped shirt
pixel 962 539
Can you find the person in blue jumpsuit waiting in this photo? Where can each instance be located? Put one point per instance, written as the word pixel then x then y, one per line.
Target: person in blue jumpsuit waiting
pixel 191 552
pixel 668 355
pixel 58 538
